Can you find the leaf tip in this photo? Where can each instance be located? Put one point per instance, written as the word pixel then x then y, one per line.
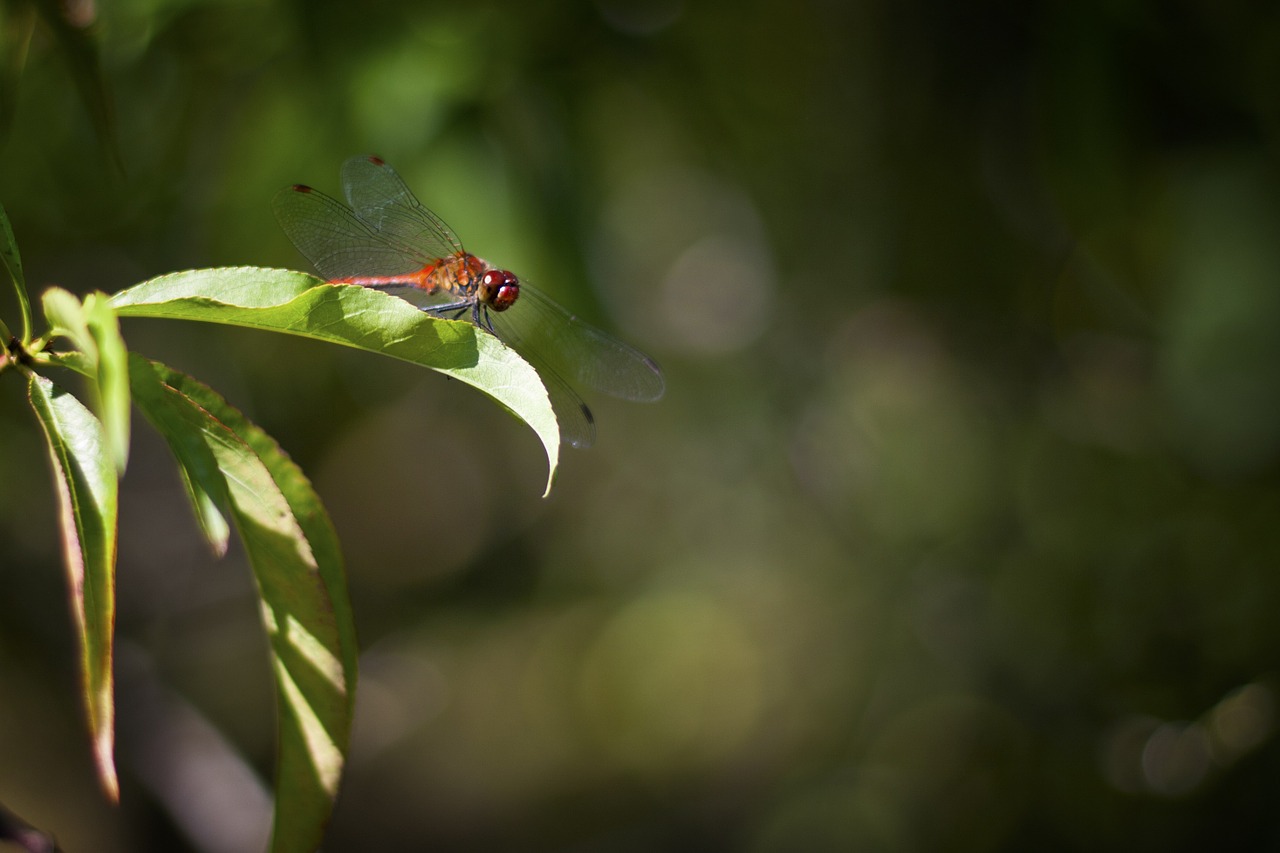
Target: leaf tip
pixel 104 758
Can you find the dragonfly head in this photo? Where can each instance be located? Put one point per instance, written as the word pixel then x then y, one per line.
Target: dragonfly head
pixel 499 289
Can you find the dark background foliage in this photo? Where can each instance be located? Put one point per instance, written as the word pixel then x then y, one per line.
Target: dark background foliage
pixel 956 529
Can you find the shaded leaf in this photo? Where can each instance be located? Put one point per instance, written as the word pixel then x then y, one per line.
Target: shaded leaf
pixel 13 263
pixel 213 524
pixel 86 487
pixel 300 304
pixel 298 567
pixel 205 483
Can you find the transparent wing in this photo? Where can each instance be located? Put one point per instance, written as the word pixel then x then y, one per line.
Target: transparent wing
pixel 544 332
pixel 577 424
pixel 382 201
pixel 329 235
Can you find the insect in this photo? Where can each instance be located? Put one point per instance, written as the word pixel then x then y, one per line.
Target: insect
pixel 388 240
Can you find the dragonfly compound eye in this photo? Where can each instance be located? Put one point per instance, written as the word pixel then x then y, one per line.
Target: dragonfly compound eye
pixel 499 289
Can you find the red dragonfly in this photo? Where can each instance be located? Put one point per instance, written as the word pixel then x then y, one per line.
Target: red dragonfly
pixel 387 240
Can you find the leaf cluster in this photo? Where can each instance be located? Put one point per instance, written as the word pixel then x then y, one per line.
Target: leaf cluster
pixel 236 477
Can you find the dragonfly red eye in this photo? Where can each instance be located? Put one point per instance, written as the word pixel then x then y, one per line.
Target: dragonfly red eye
pixel 499 289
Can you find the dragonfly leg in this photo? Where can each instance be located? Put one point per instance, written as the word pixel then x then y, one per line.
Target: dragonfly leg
pixel 480 317
pixel 454 308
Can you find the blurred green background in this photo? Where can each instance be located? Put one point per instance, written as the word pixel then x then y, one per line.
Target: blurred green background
pixel 956 530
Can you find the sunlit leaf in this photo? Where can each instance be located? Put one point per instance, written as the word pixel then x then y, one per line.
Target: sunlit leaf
pixel 299 304
pixel 92 327
pixel 72 360
pixel 86 487
pixel 65 314
pixel 112 374
pixel 298 567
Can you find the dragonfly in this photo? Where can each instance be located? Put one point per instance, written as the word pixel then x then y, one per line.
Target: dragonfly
pixel 385 239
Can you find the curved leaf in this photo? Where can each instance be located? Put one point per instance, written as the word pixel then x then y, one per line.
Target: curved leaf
pixel 13 263
pixel 86 488
pixel 93 328
pixel 300 304
pixel 298 567
pixel 66 318
pixel 112 374
pixel 205 483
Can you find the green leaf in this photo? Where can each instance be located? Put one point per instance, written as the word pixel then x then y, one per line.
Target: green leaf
pixel 66 318
pixel 300 304
pixel 9 251
pixel 92 327
pixel 213 524
pixel 298 567
pixel 86 487
pixel 13 263
pixel 112 375
pixel 205 483
pixel 72 360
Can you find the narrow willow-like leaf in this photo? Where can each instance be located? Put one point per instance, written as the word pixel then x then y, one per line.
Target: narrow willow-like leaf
pixel 13 263
pixel 113 374
pixel 205 483
pixel 86 487
pixel 93 328
pixel 298 567
pixel 300 304
pixel 213 524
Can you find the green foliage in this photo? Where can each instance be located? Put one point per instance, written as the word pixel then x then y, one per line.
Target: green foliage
pixel 94 331
pixel 300 304
pixel 232 469
pixel 13 265
pixel 236 468
pixel 957 531
pixel 85 482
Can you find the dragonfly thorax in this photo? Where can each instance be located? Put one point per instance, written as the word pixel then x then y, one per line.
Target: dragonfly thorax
pixel 468 277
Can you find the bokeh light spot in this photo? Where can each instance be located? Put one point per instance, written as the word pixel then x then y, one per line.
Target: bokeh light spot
pixel 672 683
